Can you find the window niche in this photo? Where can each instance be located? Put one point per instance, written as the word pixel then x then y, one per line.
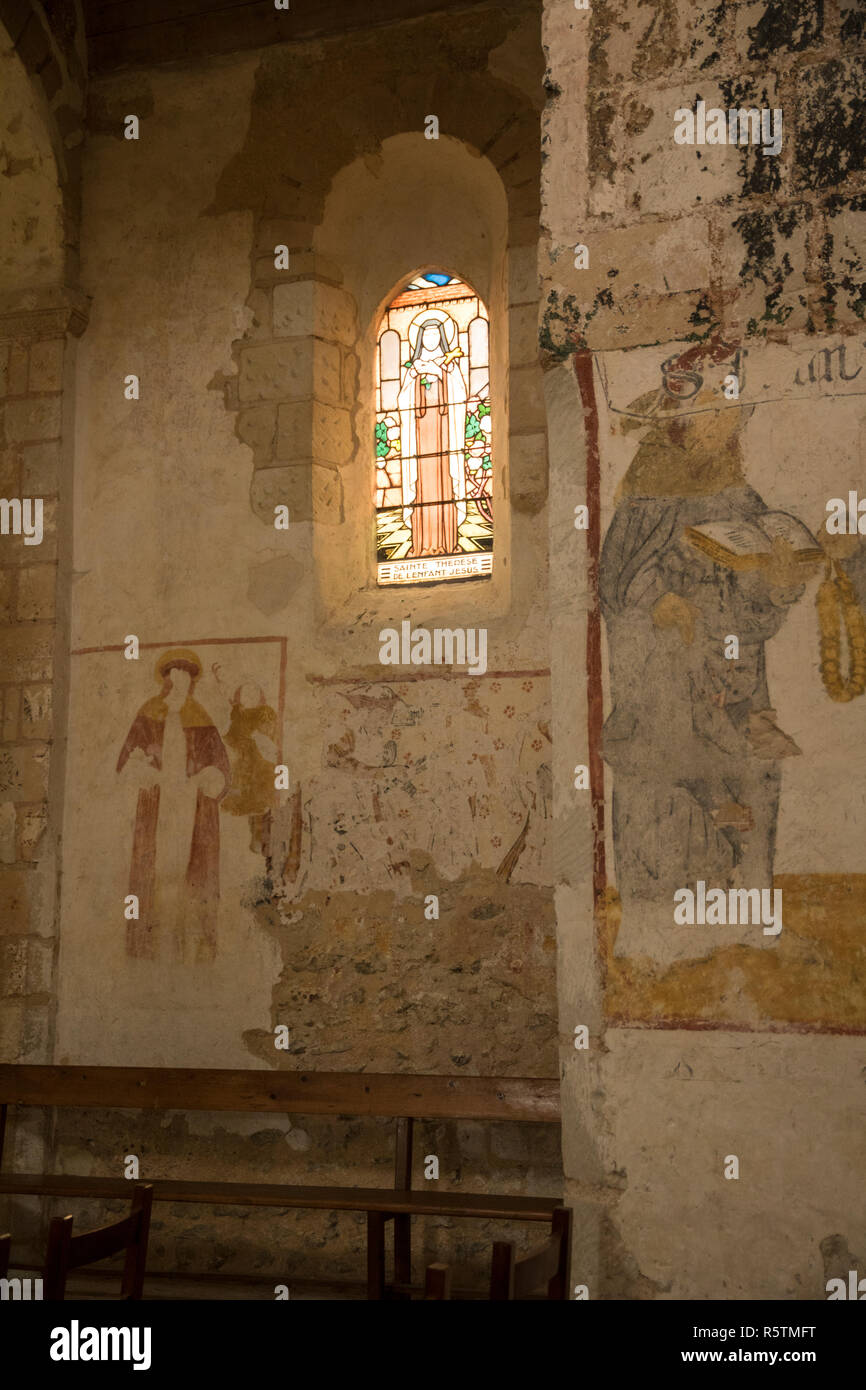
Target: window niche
pixel 435 210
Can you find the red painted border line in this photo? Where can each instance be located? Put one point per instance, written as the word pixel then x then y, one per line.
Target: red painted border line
pixel 439 675
pixel 705 1025
pixel 281 708
pixel 188 642
pixel 584 371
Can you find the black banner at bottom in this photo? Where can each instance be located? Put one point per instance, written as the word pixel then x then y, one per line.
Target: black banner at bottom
pixel 253 1338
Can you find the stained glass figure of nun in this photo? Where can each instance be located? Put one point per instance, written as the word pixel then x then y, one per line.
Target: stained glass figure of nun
pixel 434 491
pixel 432 403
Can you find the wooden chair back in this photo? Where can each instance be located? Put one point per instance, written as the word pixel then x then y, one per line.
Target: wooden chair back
pixel 66 1251
pixel 437 1283
pixel 513 1278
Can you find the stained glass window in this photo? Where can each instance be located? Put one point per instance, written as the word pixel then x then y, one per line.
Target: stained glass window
pixel 433 443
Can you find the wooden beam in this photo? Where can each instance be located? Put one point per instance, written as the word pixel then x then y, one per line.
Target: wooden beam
pixel 530 1099
pixel 161 31
pixel 256 1194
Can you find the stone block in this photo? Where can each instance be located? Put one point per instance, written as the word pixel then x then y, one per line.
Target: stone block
pixel 34 418
pixel 831 133
pixel 852 16
pixel 765 31
pixel 26 966
pixel 11 709
pixel 15 901
pixel 311 429
pixel 312 307
pixel 638 319
pixel 527 399
pixel 10 468
pixel 25 1033
pixel 523 286
pixel 36 592
pixel 40 469
pixel 523 335
pixel 303 264
pixel 290 370
pixel 637 44
pixel 524 200
pixel 527 462
pixel 283 231
pixel 308 489
pixel 7 595
pixel 259 305
pixel 24 773
pixel 763 257
pixel 18 362
pixel 650 258
pixel 15 550
pixel 843 260
pixel 36 1040
pixel 523 231
pixel 8 832
pixel 46 365
pixel 644 170
pixel 350 376
pixel 28 652
pixel 257 427
pixel 36 711
pixel 31 824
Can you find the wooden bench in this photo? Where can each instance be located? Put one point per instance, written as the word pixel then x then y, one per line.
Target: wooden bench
pixel 404 1098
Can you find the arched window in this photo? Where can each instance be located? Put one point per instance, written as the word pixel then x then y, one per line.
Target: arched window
pixel 433 443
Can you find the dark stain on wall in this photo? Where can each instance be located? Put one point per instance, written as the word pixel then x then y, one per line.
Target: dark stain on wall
pixel 786 24
pixel 831 124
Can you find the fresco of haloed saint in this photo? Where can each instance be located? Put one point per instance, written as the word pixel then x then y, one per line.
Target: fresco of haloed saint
pixel 181 766
pixel 692 555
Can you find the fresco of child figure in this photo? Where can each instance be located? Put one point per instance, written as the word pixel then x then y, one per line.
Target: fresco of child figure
pixel 692 556
pixel 251 740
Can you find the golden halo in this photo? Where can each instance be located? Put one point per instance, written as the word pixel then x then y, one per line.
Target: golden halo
pixel 179 656
pixel 441 317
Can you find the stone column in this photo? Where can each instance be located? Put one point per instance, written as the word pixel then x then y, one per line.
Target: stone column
pixel 38 332
pixel 297 384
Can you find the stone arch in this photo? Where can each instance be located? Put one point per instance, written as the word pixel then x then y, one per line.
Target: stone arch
pixel 43 54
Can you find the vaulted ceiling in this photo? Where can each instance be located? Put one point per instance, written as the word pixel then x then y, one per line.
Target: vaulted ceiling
pixel 132 32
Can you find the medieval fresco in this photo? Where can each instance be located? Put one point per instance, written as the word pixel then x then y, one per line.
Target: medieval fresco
pixel 181 820
pixel 732 594
pixel 452 769
pixel 183 773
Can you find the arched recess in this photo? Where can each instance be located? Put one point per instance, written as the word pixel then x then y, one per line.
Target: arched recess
pixel 411 210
